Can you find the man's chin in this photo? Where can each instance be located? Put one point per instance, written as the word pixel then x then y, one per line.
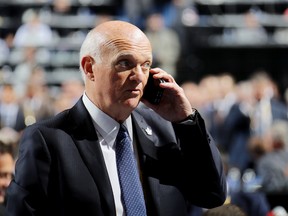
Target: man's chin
pixel 132 102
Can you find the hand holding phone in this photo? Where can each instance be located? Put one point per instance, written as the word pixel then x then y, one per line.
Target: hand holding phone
pixel 153 92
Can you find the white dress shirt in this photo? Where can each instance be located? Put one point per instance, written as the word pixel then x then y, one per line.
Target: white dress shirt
pixel 107 133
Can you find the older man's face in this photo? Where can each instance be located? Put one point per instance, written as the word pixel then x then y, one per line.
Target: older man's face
pixel 122 75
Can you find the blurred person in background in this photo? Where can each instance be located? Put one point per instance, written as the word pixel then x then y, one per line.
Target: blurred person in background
pixel 194 94
pixel 11 112
pixel 8 145
pixel 270 156
pixel 62 7
pixel 37 103
pixel 211 91
pixel 250 32
pixel 178 14
pixel 268 107
pixel 135 11
pixel 175 13
pixel 165 42
pixel 70 91
pixel 63 12
pixel 228 98
pixel 33 31
pixel 272 165
pixel 4 50
pixel 24 68
pixel 224 101
pixel 236 127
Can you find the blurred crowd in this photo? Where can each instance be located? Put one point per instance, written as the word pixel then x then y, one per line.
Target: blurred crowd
pixel 249 122
pixel 248 119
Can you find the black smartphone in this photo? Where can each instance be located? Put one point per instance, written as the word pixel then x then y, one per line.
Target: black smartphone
pixel 153 92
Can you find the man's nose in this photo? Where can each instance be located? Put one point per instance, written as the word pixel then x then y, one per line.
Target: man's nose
pixel 138 74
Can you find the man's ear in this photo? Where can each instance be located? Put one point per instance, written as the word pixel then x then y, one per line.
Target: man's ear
pixel 87 65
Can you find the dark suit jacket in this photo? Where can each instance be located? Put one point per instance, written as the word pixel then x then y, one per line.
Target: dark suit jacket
pixel 61 170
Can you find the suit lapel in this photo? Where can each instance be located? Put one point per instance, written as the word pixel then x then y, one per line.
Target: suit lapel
pixel 146 140
pixel 145 135
pixel 86 140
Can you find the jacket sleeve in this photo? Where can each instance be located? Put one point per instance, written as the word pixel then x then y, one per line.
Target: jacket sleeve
pixel 25 194
pixel 204 181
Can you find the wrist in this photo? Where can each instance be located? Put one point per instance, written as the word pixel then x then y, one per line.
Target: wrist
pixel 191 117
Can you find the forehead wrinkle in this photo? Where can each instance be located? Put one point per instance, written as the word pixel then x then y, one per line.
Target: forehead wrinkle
pixel 125 48
pixel 123 44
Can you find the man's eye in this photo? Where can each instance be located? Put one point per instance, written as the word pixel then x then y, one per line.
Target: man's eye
pixel 146 65
pixel 124 63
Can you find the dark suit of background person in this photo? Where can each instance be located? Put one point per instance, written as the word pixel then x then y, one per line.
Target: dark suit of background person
pixel 236 127
pixel 61 169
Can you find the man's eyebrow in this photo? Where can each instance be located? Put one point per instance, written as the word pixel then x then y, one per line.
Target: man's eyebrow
pixel 132 57
pixel 124 55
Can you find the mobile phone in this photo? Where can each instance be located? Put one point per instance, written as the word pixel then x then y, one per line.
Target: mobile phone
pixel 153 92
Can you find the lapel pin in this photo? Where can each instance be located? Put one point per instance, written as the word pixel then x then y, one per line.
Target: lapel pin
pixel 148 131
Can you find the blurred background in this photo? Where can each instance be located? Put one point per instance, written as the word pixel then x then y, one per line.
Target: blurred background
pixel 230 57
pixel 216 36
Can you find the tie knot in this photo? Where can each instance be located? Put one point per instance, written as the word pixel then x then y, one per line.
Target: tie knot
pixel 123 133
pixel 123 128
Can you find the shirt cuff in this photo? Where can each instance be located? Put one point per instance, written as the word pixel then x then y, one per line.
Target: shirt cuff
pixel 191 119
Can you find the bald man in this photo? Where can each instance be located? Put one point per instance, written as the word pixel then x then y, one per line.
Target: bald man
pixel 67 164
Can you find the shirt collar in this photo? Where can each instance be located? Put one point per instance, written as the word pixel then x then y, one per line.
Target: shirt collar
pixel 108 128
